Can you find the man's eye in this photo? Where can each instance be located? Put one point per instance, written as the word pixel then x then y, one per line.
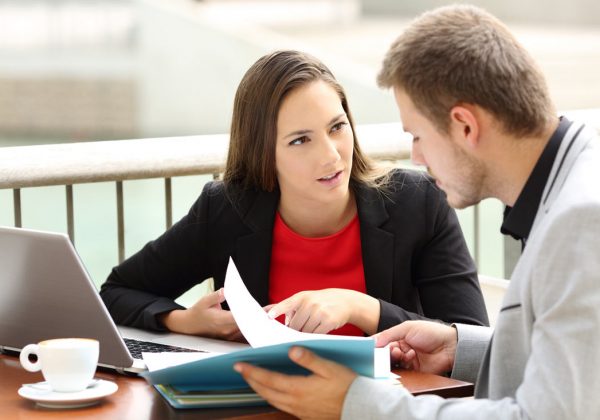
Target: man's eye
pixel 299 140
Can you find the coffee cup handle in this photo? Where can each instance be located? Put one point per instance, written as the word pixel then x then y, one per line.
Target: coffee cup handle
pixel 24 358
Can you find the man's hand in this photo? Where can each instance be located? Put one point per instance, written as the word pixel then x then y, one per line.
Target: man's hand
pixel 321 311
pixel 421 345
pixel 317 396
pixel 205 318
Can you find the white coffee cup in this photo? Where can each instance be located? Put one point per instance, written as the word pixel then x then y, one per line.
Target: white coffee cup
pixel 68 364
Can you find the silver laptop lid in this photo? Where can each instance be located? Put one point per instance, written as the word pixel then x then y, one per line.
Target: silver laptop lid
pixel 46 292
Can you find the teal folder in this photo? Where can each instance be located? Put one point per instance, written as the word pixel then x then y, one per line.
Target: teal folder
pixel 216 373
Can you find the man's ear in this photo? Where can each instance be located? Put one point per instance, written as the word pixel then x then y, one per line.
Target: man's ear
pixel 465 125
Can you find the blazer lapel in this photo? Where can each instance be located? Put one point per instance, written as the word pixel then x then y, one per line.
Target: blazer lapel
pixel 575 141
pixel 377 244
pixel 253 251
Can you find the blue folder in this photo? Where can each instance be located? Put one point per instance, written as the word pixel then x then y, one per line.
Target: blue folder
pixel 216 373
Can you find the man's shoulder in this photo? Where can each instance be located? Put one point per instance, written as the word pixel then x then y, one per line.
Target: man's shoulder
pixel 580 188
pixel 573 212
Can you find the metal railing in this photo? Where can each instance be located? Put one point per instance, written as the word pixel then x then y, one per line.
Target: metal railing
pixel 118 161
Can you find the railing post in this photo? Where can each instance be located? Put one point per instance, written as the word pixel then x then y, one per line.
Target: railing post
pixel 168 203
pixel 120 221
pixel 70 213
pixel 17 207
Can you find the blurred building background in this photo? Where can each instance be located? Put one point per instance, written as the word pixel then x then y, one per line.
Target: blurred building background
pixel 80 70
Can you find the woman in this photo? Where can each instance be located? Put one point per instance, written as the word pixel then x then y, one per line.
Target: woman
pixel 310 223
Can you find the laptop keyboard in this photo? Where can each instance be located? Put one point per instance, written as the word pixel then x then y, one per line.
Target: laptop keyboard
pixel 136 347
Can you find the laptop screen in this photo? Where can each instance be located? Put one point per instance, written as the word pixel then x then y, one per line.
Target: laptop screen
pixel 47 293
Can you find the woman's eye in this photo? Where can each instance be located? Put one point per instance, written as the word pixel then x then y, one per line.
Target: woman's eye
pixel 338 126
pixel 299 140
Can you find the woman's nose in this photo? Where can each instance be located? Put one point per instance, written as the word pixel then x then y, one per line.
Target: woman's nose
pixel 328 152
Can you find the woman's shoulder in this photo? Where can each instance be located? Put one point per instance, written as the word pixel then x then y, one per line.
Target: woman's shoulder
pixel 222 196
pixel 400 188
pixel 403 176
pixel 231 192
pixel 407 189
pixel 402 181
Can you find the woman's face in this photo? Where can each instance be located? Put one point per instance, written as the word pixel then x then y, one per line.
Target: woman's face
pixel 313 152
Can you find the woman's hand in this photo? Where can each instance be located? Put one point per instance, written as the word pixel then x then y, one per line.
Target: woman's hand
pixel 320 311
pixel 205 318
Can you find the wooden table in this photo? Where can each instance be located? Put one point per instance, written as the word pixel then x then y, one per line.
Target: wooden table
pixel 136 399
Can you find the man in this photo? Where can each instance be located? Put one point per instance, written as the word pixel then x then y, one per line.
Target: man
pixel 484 126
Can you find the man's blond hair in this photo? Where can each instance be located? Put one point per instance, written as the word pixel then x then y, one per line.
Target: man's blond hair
pixel 462 54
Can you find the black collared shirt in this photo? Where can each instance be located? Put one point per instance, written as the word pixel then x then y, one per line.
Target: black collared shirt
pixel 518 219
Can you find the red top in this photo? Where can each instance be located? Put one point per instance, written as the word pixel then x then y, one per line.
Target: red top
pixel 299 263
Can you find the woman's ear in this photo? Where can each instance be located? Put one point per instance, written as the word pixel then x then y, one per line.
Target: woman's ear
pixel 464 125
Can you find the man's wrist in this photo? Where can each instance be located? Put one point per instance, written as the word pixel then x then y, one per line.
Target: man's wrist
pixel 451 348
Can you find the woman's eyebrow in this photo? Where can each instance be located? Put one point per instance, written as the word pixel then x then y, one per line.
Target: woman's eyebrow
pixel 304 132
pixel 298 133
pixel 337 117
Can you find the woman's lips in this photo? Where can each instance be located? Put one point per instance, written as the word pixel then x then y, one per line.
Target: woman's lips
pixel 331 179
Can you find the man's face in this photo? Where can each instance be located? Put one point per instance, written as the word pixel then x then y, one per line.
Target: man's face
pixel 458 173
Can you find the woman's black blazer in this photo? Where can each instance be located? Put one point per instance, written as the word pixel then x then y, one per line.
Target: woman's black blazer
pixel 415 258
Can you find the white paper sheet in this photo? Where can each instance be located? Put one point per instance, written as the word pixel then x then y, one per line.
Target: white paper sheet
pixel 156 361
pixel 253 321
pixel 260 330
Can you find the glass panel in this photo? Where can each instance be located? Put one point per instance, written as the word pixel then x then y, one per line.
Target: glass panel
pixel 44 208
pixel 7 217
pixel 96 228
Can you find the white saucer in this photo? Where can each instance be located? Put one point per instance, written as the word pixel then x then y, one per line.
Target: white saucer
pixel 50 399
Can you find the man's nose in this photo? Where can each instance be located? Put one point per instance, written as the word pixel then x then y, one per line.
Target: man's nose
pixel 416 155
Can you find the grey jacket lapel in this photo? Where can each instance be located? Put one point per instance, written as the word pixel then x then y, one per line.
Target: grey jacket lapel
pixel 574 142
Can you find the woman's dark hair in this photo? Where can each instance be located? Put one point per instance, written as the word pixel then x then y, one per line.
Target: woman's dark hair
pixel 251 156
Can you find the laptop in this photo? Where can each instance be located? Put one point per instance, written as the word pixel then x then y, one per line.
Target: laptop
pixel 46 292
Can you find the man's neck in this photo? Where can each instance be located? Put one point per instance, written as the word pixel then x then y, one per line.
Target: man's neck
pixel 513 163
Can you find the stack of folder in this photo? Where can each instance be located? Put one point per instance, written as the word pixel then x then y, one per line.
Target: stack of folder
pixel 188 398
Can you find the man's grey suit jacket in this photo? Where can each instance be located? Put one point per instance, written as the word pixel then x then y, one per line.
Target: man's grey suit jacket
pixel 543 359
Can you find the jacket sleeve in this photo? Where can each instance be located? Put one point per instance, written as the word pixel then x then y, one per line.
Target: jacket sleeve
pixel 443 272
pixel 147 283
pixel 372 399
pixel 473 341
pixel 369 398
